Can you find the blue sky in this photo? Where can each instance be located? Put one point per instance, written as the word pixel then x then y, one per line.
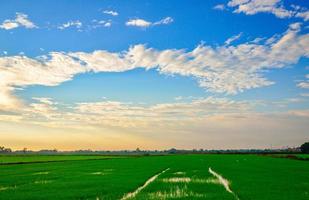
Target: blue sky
pixel 193 22
pixel 196 62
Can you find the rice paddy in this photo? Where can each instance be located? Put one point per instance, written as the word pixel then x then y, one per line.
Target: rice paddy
pixel 18 159
pixel 214 177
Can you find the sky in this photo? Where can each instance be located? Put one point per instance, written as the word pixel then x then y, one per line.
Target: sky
pixel 154 74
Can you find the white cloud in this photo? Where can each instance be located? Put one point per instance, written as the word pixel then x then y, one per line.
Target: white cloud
pixel 304 94
pixel 101 23
pixel 45 107
pixel 251 7
pixel 276 7
pixel 21 71
pixel 7 100
pixel 46 112
pixel 8 24
pixel 110 12
pixel 305 83
pixel 295 26
pixel 219 7
pixel 138 22
pixel 224 69
pixel 166 20
pixel 113 113
pixel 20 20
pixel 303 14
pixel 143 23
pixel 108 24
pixel 203 106
pixel 68 24
pixel 178 98
pixel 206 122
pixel 232 39
pixel 105 23
pixel 44 100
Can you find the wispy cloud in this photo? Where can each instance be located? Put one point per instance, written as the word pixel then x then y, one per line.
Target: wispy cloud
pixel 232 39
pixel 46 112
pixel 68 24
pixel 106 23
pixel 166 20
pixel 111 12
pixel 218 116
pixel 304 94
pixel 143 23
pixel 303 14
pixel 305 83
pixel 43 107
pixel 201 107
pixel 21 20
pixel 219 7
pixel 101 23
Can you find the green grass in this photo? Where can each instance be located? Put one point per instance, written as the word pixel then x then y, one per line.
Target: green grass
pixel 301 156
pixel 4 159
pixel 251 177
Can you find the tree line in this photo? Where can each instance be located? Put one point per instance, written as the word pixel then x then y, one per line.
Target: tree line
pixel 304 148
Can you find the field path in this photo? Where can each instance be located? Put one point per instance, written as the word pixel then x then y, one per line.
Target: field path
pixel 223 182
pixel 139 189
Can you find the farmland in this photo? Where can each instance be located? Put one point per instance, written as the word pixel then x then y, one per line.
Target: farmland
pixel 292 156
pixel 213 177
pixel 19 159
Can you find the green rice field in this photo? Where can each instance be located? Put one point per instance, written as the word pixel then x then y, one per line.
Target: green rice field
pixel 295 156
pixel 214 177
pixel 19 159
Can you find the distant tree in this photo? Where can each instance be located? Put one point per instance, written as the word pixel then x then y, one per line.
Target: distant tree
pixel 5 150
pixel 305 147
pixel 172 151
pixel 48 151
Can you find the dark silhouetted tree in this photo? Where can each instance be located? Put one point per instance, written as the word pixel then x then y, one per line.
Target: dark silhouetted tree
pixel 305 147
pixel 5 150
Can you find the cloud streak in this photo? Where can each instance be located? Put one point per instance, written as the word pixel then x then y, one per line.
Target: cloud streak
pixel 232 39
pixel 219 7
pixel 143 23
pixel 101 23
pixel 110 12
pixel 69 24
pixel 305 83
